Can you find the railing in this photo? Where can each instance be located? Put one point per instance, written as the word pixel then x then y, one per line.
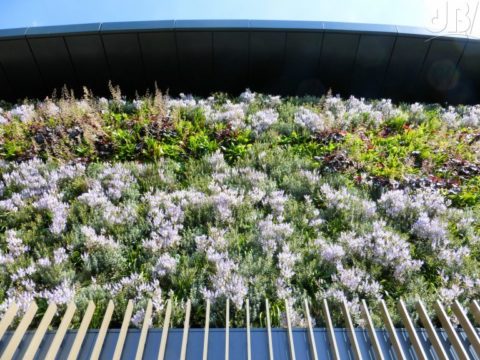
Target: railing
pixel 410 342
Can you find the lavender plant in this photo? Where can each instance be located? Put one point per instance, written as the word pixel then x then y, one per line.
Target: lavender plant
pixel 237 198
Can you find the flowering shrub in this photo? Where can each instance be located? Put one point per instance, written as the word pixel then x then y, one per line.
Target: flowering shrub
pixel 256 197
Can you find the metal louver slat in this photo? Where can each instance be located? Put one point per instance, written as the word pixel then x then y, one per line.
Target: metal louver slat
pixel 432 334
pixel 19 332
pixel 102 332
pixel 40 332
pixel 241 343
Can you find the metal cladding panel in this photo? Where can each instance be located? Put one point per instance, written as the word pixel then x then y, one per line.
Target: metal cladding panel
pixel 467 345
pixel 405 65
pixel 44 346
pixel 439 73
pixel 42 350
pixel 343 343
pixel 385 345
pixel 216 344
pixel 152 344
pixel 301 344
pixel 427 345
pixel 131 344
pixel 87 345
pixel 159 54
pixel 20 350
pixel 337 61
pixel 405 343
pixel 20 68
pixel 373 57
pixel 322 343
pixel 66 344
pixel 238 342
pixel 259 338
pixel 174 344
pixel 125 61
pixel 88 58
pixel 302 69
pixel 267 52
pixel 281 350
pixel 364 343
pixel 468 86
pixel 195 56
pixel 54 63
pixel 109 343
pixel 195 344
pixel 230 59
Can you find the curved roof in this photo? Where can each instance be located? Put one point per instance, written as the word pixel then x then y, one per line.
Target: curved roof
pixel 277 57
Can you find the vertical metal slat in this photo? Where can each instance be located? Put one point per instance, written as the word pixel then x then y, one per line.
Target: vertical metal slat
pixel 467 326
pixel 311 338
pixel 186 326
pixel 144 333
pixel 412 333
pixel 227 330
pixel 62 329
pixel 351 331
pixel 166 325
pixel 291 346
pixel 432 333
pixel 123 331
pixel 269 331
pixel 391 331
pixel 207 327
pixel 19 332
pixel 8 318
pixel 448 327
pixel 82 330
pixel 475 308
pixel 330 331
pixel 249 344
pixel 97 349
pixel 371 331
pixel 41 330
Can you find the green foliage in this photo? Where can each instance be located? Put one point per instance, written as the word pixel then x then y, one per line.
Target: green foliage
pixel 214 175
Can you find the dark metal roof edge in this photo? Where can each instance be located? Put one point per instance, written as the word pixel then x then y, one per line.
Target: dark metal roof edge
pixel 218 24
pixel 212 24
pixel 331 26
pixel 290 25
pixel 15 33
pixel 133 26
pixel 425 33
pixel 63 30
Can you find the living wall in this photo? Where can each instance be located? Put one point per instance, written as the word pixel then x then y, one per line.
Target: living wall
pixel 251 197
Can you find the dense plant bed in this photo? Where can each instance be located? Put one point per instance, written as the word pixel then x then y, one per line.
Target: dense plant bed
pixel 255 197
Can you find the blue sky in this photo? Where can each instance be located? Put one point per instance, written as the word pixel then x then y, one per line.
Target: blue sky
pixel 436 14
pixel 22 13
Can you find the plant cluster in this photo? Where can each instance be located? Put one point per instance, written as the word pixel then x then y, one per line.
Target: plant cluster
pixel 248 198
